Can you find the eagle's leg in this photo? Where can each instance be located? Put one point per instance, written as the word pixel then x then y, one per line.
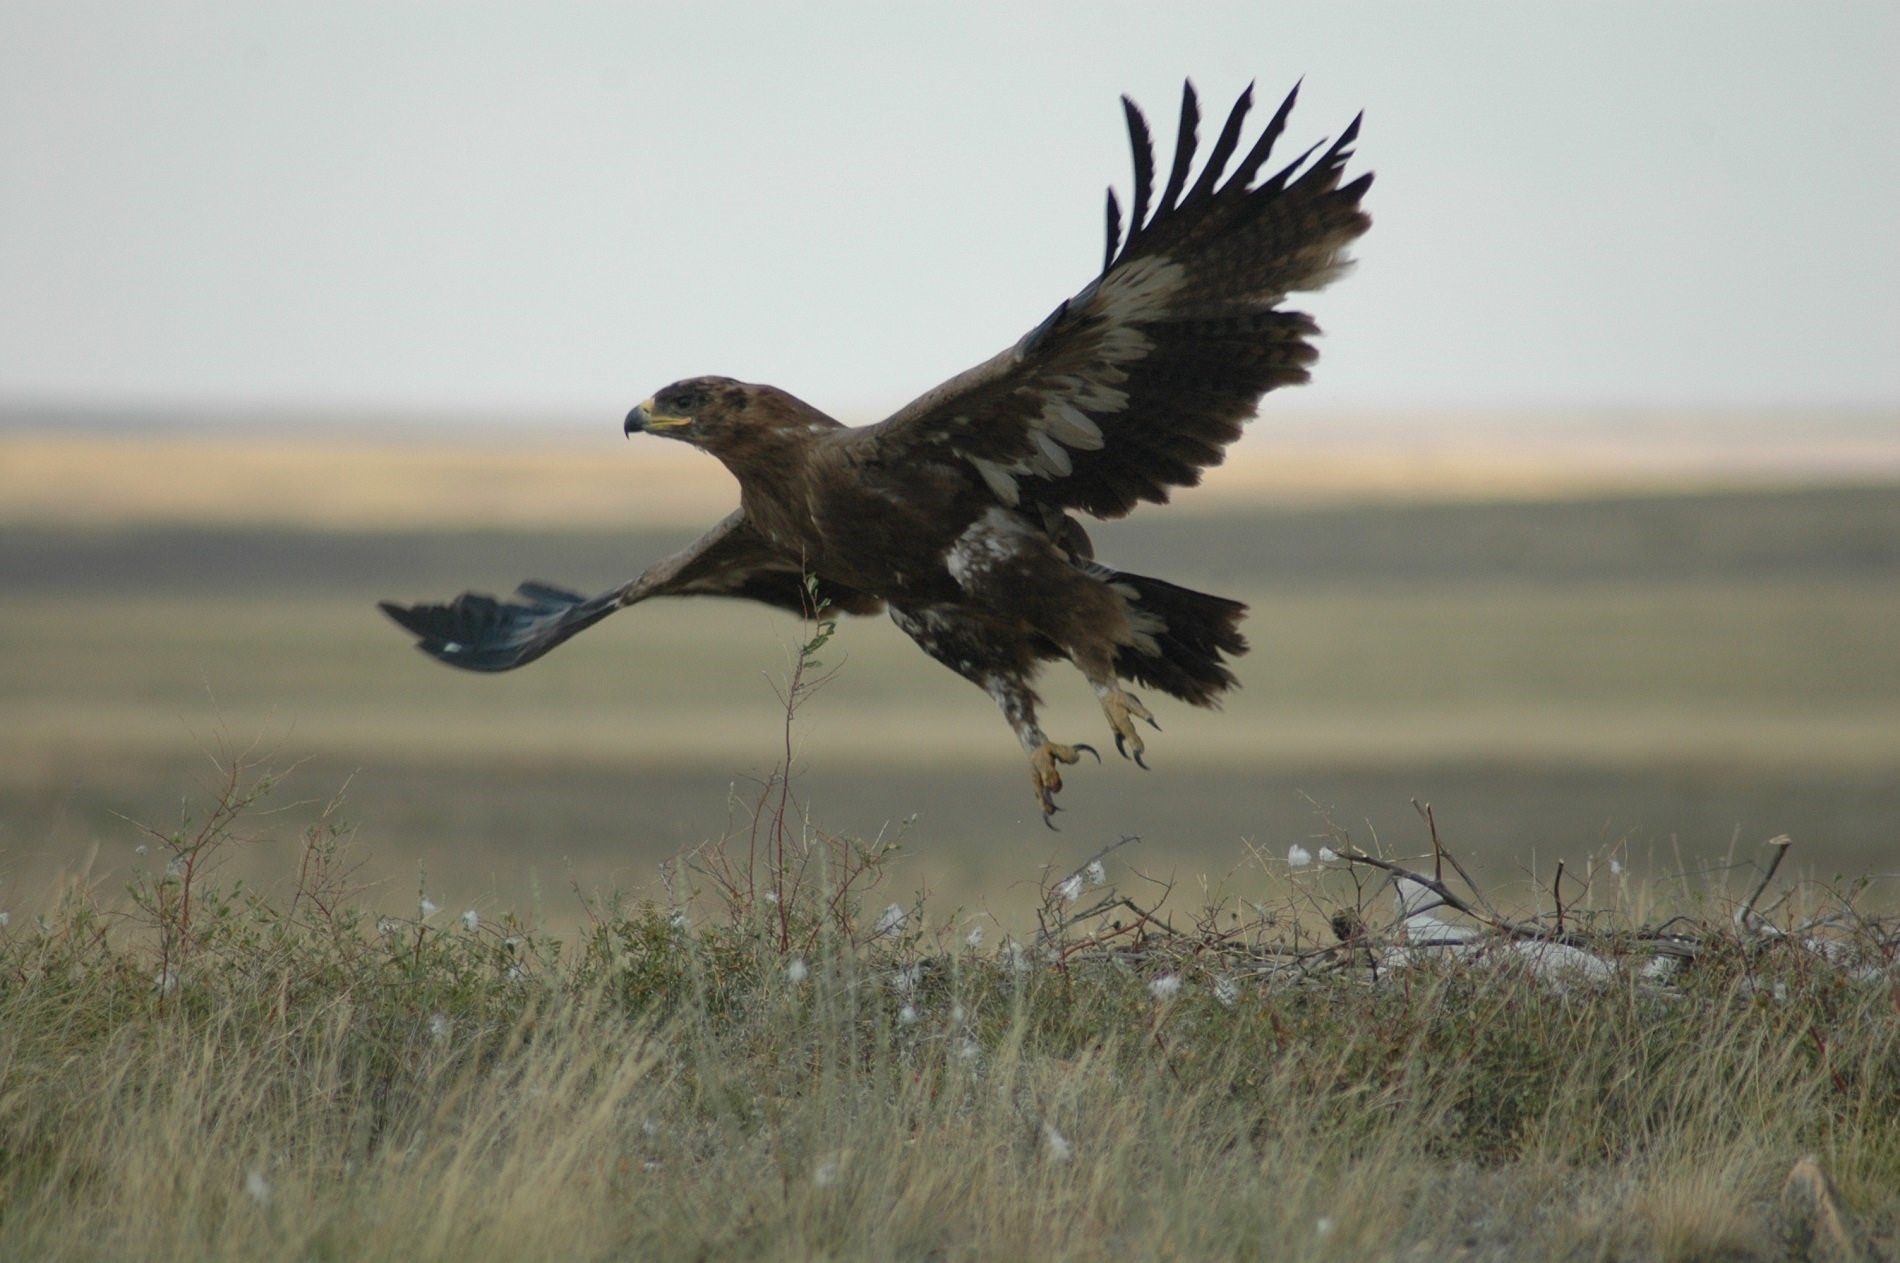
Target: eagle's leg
pixel 1121 707
pixel 1046 758
pixel 1000 660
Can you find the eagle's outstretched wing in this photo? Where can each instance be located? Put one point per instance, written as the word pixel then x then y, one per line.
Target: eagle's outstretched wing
pixel 1141 380
pixel 479 633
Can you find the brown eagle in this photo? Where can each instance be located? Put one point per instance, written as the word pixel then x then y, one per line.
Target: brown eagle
pixel 957 512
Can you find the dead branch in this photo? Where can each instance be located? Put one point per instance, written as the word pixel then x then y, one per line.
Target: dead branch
pixel 1745 914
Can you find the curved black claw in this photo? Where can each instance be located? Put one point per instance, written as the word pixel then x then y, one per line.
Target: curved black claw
pixel 1138 706
pixel 1121 745
pixel 1091 749
pixel 1049 823
pixel 1139 763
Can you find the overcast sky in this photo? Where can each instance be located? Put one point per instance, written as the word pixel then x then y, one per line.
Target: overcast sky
pixel 553 209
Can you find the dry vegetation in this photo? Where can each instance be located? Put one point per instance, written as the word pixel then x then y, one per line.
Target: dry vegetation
pixel 775 1060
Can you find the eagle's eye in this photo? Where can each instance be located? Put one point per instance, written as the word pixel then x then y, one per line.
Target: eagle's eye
pixel 686 401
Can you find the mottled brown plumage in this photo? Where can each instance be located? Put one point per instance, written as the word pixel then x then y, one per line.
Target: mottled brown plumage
pixel 956 512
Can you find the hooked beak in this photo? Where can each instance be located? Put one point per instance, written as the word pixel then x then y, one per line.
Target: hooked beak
pixel 643 417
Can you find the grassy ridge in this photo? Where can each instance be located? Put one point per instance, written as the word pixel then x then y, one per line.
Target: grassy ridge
pixel 207 1074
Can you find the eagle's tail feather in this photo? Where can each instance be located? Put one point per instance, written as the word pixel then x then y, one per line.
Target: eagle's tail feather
pixel 1183 638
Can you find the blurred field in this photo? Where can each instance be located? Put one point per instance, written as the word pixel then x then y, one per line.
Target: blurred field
pixel 1673 673
pixel 347 472
pixel 1557 667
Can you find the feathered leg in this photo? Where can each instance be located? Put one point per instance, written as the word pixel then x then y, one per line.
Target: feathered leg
pixel 1018 701
pixel 1001 660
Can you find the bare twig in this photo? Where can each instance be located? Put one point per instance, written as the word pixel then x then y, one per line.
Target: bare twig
pixel 1441 852
pixel 1438 850
pixel 1513 929
pixel 1745 914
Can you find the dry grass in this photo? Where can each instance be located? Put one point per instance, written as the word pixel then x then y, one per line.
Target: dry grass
pixel 203 1074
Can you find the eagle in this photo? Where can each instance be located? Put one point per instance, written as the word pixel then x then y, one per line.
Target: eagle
pixel 959 512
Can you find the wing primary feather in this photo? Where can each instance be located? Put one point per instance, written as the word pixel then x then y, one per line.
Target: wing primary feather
pixel 1326 170
pixel 1342 148
pixel 1183 147
pixel 1224 146
pixel 1263 147
pixel 1114 231
pixel 1280 177
pixel 478 633
pixel 1142 147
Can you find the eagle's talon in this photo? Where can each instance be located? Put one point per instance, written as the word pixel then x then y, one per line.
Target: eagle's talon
pixel 1079 746
pixel 1046 776
pixel 1122 709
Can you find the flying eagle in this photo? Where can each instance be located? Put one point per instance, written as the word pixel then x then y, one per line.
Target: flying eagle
pixel 957 512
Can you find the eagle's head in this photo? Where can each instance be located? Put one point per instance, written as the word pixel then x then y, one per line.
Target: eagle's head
pixel 694 411
pixel 725 417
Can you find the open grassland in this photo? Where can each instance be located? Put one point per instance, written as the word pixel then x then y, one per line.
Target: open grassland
pixel 1667 674
pixel 409 1024
pixel 783 1067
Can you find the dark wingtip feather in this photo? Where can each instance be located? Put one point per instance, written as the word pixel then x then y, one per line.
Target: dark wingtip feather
pixel 1263 147
pixel 478 633
pixel 547 596
pixel 1114 231
pixel 1224 146
pixel 1184 144
pixel 1279 178
pixel 408 617
pixel 1141 146
pixel 1350 134
pixel 1325 172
